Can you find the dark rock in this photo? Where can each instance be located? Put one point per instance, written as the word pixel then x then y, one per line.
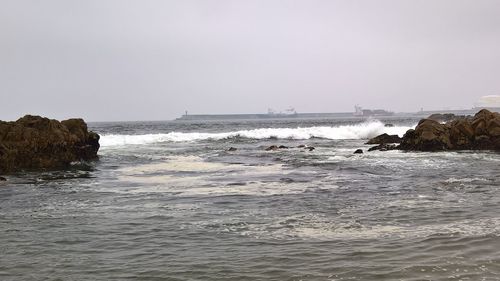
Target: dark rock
pixel 310 148
pixel 34 142
pixel 389 125
pixel 429 135
pixel 283 147
pixel 445 117
pixel 272 148
pixel 232 149
pixel 461 134
pixel 383 147
pixel 3 179
pixel 358 151
pixel 481 132
pixel 385 138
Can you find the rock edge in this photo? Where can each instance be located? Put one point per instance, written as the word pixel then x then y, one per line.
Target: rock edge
pixel 478 132
pixel 34 142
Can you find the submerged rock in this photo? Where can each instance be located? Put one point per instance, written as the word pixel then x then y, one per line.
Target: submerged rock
pixel 272 148
pixel 34 142
pixel 232 149
pixel 275 147
pixel 306 147
pixel 481 132
pixel 384 138
pixel 383 147
pixel 358 151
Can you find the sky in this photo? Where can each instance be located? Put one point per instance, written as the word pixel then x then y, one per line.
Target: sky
pixel 112 60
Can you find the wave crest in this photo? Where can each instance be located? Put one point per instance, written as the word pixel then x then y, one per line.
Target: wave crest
pixel 358 131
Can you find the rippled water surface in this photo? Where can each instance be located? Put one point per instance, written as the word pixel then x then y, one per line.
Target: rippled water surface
pixel 167 201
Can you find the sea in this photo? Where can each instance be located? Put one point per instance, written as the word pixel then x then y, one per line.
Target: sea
pixel 169 200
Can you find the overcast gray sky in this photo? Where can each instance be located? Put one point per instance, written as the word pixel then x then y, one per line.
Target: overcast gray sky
pixel 151 60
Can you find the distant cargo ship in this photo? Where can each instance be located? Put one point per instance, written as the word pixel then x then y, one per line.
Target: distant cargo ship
pixel 359 111
pixel 290 112
pixel 271 114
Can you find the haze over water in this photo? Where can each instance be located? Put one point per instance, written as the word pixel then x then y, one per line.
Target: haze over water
pixel 116 60
pixel 167 201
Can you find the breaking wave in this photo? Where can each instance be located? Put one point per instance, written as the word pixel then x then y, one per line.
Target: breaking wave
pixel 357 131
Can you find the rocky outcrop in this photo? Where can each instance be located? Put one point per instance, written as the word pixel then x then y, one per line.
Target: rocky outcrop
pixel 34 142
pixel 445 117
pixel 384 147
pixel 481 132
pixel 384 138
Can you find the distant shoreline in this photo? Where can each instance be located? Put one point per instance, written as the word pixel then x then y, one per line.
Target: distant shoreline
pixel 425 113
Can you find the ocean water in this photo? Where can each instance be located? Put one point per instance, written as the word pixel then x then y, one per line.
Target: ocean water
pixel 167 201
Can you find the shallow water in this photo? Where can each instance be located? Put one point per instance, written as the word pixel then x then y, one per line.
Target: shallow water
pixel 166 201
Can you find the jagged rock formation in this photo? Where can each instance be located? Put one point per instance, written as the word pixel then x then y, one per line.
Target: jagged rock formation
pixel 481 132
pixel 34 142
pixel 384 138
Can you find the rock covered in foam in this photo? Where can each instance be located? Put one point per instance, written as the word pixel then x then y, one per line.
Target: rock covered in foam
pixel 481 132
pixel 34 142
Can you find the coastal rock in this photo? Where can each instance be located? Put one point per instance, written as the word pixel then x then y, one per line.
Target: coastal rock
pixel 445 117
pixel 384 138
pixel 383 147
pixel 429 135
pixel 481 132
pixel 272 148
pixel 276 147
pixel 303 146
pixel 232 149
pixel 358 151
pixel 3 179
pixel 34 142
pixel 461 134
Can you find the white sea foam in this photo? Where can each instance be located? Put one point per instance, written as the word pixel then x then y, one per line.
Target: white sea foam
pixel 465 180
pixel 311 226
pixel 359 131
pixel 151 178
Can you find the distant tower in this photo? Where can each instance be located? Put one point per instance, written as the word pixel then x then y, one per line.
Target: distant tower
pixel 358 110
